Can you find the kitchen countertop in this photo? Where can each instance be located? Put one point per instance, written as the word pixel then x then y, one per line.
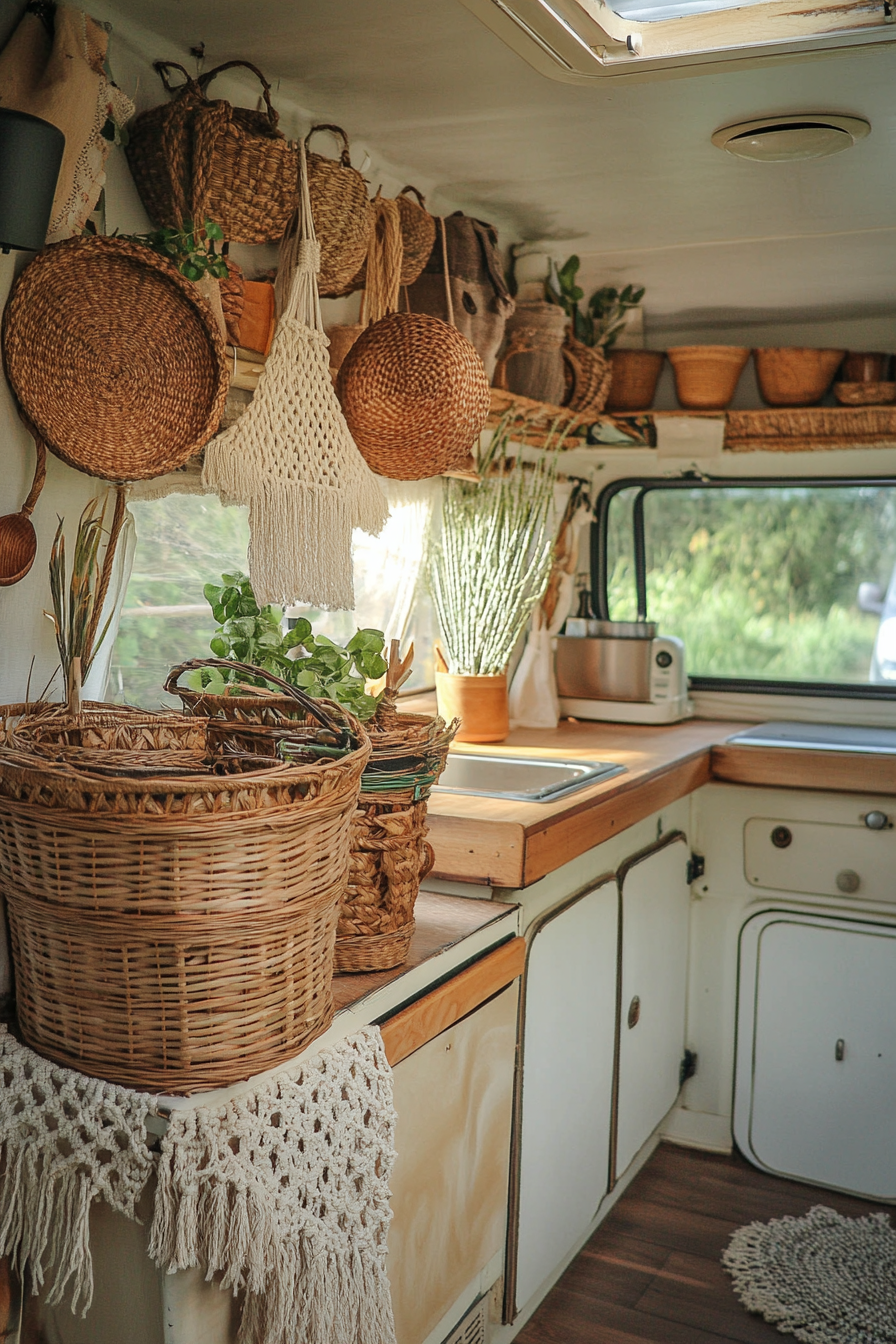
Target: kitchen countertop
pixel 503 843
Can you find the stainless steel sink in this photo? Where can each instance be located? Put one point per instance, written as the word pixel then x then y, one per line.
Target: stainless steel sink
pixel 522 778
pixel 820 737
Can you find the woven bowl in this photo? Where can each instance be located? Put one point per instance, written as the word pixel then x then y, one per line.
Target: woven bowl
pixel 706 375
pixel 414 394
pixel 795 375
pixel 865 394
pixel 116 359
pixel 635 374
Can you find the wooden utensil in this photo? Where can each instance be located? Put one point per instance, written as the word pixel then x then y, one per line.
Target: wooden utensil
pixel 18 539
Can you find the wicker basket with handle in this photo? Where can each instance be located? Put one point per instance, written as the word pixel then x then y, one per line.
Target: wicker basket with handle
pixel 389 853
pixel 343 216
pixel 173 931
pixel 196 158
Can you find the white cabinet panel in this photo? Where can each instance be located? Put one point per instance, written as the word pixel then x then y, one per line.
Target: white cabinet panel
pixel 816 1067
pixel 570 1014
pixel 655 914
pixel 810 856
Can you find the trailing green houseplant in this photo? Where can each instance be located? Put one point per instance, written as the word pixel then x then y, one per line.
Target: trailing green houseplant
pixel 191 248
pixel 323 669
pixel 605 313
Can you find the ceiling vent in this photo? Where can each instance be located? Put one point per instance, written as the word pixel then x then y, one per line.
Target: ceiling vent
pixel 785 139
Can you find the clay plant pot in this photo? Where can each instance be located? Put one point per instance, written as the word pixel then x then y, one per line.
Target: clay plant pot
pixel 479 702
pixel 865 367
pixel 795 375
pixel 706 375
pixel 635 376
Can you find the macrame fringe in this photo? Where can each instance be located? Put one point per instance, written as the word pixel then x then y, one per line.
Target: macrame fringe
pixel 293 441
pixel 44 1222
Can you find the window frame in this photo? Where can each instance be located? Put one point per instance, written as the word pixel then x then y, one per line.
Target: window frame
pixel 599 557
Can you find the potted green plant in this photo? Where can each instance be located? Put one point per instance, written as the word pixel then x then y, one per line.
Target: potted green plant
pixel 248 633
pixel 489 568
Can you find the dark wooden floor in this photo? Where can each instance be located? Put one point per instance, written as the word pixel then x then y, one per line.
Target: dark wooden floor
pixel 651 1271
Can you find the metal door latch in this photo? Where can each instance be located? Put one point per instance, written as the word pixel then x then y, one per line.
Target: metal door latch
pixel 696 867
pixel 840 1050
pixel 688 1067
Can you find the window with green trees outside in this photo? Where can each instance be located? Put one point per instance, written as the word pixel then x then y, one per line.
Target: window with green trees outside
pixel 761 581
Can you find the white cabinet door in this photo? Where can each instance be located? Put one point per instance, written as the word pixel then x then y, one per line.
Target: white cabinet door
pixel 815 1094
pixel 655 910
pixel 570 1014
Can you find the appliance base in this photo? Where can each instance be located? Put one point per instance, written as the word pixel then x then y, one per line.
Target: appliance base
pixel 628 711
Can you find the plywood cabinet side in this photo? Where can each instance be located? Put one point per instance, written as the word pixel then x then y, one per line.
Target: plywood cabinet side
pixel 419 1023
pixel 454 1099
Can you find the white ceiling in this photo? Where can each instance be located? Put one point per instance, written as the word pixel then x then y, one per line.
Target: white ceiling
pixel 624 175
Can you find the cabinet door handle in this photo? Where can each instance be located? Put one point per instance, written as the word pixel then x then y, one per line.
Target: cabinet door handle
pixel 840 1050
pixel 634 1012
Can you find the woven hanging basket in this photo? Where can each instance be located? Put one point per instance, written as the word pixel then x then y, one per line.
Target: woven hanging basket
pixel 173 897
pixel 117 361
pixel 418 234
pixel 414 394
pixel 194 158
pixel 343 216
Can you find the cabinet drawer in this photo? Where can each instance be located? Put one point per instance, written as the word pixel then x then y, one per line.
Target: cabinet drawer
pixel 820 858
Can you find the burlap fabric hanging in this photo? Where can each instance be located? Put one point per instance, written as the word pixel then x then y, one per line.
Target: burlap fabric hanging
pixel 466 252
pixel 291 458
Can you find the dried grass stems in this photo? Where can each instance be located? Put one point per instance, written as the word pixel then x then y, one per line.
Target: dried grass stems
pixel 78 601
pixel 492 562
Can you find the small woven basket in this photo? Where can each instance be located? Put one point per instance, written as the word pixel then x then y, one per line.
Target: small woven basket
pixel 117 361
pixel 706 376
pixel 414 394
pixel 587 374
pixel 194 158
pixel 635 376
pixel 343 216
pixel 418 233
pixel 389 854
pixel 173 931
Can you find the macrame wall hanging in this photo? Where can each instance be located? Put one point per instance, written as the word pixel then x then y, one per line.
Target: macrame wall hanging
pixel 290 456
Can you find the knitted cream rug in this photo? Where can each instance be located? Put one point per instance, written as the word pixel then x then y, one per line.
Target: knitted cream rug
pixel 823 1278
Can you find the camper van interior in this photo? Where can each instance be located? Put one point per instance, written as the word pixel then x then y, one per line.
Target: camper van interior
pixel 448 670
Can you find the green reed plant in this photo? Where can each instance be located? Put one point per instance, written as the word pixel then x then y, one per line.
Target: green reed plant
pixel 492 561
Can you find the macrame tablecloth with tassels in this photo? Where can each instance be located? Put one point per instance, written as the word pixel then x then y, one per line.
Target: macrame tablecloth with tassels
pixel 282 1191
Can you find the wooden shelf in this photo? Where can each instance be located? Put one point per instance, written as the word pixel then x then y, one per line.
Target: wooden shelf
pixel 790 430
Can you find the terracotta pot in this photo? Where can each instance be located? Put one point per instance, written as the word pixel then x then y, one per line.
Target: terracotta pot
pixel 795 375
pixel 479 702
pixel 706 375
pixel 865 367
pixel 635 376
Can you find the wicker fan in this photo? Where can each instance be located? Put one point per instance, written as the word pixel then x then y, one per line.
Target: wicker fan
pixel 116 359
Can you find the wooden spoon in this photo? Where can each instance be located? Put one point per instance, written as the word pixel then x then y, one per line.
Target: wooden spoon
pixel 18 539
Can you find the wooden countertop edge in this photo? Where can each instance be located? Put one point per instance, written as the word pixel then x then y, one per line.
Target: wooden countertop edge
pixel 790 768
pixel 555 841
pixel 422 1021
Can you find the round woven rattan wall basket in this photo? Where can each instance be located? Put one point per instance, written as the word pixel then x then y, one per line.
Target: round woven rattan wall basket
pixel 414 394
pixel 116 359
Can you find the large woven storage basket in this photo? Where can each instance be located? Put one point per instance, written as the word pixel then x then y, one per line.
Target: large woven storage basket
pixel 389 854
pixel 173 930
pixel 194 158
